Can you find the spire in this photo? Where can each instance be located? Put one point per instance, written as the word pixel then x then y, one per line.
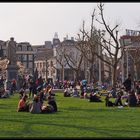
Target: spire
pixel 56 35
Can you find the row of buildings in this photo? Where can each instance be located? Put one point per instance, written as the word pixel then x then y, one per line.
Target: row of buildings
pixel 49 60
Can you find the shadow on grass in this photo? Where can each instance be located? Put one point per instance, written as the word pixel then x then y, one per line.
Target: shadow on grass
pixel 103 132
pixel 88 110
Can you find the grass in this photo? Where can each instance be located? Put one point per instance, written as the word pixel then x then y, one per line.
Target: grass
pixel 76 118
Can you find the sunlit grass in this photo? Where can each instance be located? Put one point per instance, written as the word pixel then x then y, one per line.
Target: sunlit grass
pixel 75 118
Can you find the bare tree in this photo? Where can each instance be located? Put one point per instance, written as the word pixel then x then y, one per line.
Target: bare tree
pixel 60 50
pixel 74 59
pixel 134 53
pixel 88 46
pixel 110 45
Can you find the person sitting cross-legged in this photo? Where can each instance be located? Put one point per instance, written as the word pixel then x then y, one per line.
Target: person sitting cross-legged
pixel 23 105
pixel 36 105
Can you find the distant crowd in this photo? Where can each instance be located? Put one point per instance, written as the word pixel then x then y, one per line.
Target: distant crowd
pixel 37 95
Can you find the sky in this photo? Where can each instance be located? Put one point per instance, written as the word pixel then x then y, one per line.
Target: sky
pixel 37 22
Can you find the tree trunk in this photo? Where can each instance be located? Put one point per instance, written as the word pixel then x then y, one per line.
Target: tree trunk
pixel 114 76
pixel 62 73
pixel 135 71
pixel 77 75
pixel 91 73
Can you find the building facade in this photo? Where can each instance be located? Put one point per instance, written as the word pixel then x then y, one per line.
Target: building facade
pixel 130 43
pixel 25 55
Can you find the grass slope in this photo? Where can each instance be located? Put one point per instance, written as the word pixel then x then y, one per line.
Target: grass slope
pixel 76 118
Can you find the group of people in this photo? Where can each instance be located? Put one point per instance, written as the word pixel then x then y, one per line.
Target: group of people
pixel 39 92
pixel 129 92
pixel 83 93
pixel 37 104
pixel 126 94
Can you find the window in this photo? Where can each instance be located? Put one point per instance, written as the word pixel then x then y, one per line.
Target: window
pixel 30 65
pixel 30 56
pixel 19 57
pixel 29 48
pixel 40 64
pixel 19 48
pixel 24 57
pixel 24 48
pixel 25 64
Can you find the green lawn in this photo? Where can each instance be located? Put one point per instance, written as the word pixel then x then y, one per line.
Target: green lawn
pixel 75 118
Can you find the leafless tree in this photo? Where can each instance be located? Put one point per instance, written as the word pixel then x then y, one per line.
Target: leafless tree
pixel 74 59
pixel 60 50
pixel 111 45
pixel 88 46
pixel 134 53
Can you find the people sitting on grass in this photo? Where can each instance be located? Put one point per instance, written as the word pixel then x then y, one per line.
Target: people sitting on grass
pixel 36 106
pixel 86 94
pixel 118 100
pixel 40 93
pixel 47 109
pixel 50 91
pixel 82 94
pixel 128 83
pixel 107 101
pixel 132 100
pixel 67 92
pixel 23 104
pixel 138 92
pixel 4 93
pixel 30 86
pixel 21 93
pixel 52 102
pixel 75 93
pixel 113 92
pixel 94 97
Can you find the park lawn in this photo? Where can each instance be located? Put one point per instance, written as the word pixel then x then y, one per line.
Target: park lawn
pixel 76 118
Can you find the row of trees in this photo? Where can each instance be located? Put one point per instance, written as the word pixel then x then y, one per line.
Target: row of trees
pixel 96 44
pixel 91 43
